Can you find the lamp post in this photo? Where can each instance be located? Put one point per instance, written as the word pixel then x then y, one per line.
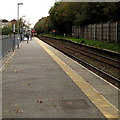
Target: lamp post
pixel 23 27
pixel 18 37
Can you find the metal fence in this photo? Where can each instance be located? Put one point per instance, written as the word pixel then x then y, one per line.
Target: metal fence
pixel 7 43
pixel 109 32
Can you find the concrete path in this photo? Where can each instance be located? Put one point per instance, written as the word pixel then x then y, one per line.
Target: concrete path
pixel 35 86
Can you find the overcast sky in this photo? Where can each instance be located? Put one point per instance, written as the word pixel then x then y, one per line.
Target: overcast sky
pixel 32 9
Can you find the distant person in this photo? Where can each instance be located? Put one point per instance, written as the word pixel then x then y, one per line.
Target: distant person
pixel 27 36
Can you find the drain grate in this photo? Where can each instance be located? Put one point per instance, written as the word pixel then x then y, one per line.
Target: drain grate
pixel 74 104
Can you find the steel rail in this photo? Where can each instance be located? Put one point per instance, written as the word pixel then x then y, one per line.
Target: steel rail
pixel 79 52
pixel 115 81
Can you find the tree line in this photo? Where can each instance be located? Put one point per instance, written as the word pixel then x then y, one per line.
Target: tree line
pixel 8 28
pixel 64 15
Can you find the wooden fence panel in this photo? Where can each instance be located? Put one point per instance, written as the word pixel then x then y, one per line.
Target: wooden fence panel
pixel 89 32
pixel 98 32
pixel 92 32
pixel 109 32
pixel 118 35
pixel 104 32
pixel 112 32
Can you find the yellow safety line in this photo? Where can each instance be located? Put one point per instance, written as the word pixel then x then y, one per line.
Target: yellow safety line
pixel 108 110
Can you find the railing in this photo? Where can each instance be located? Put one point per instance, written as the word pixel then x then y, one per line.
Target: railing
pixel 7 43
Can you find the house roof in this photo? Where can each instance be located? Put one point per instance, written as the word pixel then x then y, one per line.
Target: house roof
pixel 4 21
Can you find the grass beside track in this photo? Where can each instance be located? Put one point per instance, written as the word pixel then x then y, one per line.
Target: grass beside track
pixel 99 44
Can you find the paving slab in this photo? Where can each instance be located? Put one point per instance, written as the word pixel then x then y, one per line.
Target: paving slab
pixel 110 92
pixel 35 86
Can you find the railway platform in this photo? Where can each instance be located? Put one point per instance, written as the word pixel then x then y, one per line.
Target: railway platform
pixel 38 81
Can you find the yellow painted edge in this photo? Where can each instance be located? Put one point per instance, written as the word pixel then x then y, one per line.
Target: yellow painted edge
pixel 108 110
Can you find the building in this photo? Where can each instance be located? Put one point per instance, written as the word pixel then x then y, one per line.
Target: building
pixel 13 22
pixel 3 23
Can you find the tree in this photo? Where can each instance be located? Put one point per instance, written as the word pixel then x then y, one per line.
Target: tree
pixel 61 16
pixel 6 30
pixel 112 11
pixel 64 15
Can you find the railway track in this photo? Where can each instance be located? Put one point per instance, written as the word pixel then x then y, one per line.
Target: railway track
pixel 104 63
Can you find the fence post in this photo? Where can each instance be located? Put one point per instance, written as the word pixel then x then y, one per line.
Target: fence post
pixel 76 32
pixel 79 31
pixel 86 31
pixel 72 31
pixel 108 31
pixel 94 31
pixel 116 31
pixel 90 31
pixel 101 29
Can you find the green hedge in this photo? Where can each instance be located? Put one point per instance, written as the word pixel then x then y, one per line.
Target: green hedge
pixel 99 44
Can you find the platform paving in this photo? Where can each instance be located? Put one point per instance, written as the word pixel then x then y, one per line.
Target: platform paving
pixel 35 86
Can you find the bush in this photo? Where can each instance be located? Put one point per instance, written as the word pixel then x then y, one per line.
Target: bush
pixel 6 30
